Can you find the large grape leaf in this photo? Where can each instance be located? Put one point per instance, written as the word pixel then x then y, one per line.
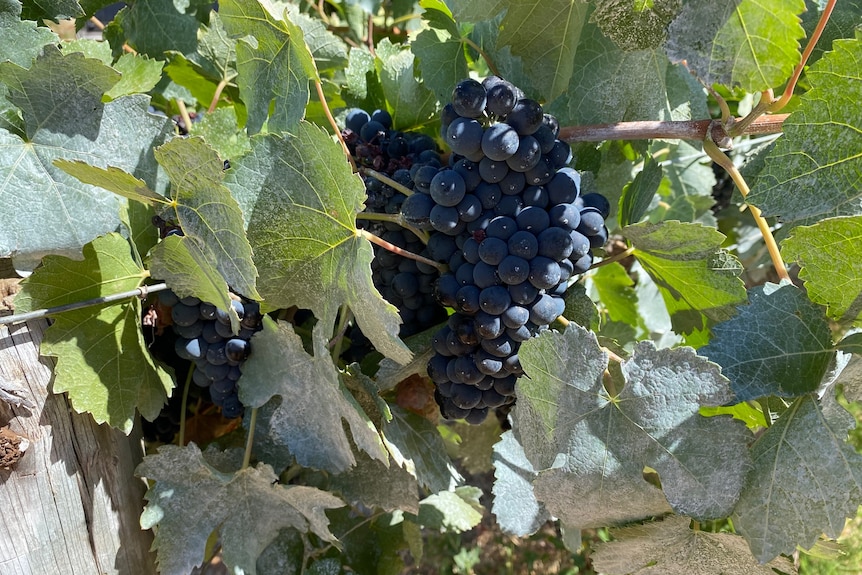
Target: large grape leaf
pixel 616 296
pixel 207 212
pixel 273 62
pixel 21 40
pixel 102 358
pixel 813 170
pixel 671 547
pixel 696 278
pixel 440 50
pixel 753 44
pixel 454 511
pixel 806 479
pixel 300 201
pixel 191 498
pixel 221 131
pixel 843 20
pixel 830 256
pixel 329 51
pixel 44 209
pixel 636 25
pixel 780 344
pixel 410 102
pixel 314 402
pixel 515 505
pixel 545 34
pixel 591 447
pixel 478 10
pixel 635 85
pixel 374 484
pixel 687 187
pixel 638 195
pixel 416 445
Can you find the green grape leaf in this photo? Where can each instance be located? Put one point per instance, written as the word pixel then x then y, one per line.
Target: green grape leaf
pixel 580 308
pixel 102 359
pixel 454 511
pixel 360 69
pixel 548 49
pixel 221 131
pixel 813 170
pixel 112 179
pixel 636 85
pixel 806 479
pixel 139 75
pixel 273 62
pixel 410 103
pixel 440 50
pixel 780 344
pixel 828 255
pixel 55 10
pixel 215 57
pixel 248 508
pixel 616 296
pixel 753 44
pixel 478 10
pixel 638 195
pixel 851 344
pixel 515 505
pixel 636 25
pixel 591 448
pixel 314 400
pixel 207 212
pixel 416 445
pixel 373 484
pixel 300 200
pixel 329 51
pixel 686 187
pixel 843 20
pixel 671 547
pixel 21 40
pixel 176 31
pixel 474 444
pixel 45 209
pixel 693 274
pixel 179 262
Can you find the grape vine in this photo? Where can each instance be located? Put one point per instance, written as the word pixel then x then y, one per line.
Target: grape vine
pixel 310 246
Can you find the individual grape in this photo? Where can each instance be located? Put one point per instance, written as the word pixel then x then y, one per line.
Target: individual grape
pixel 561 154
pixel 207 311
pixel 513 364
pixel 437 368
pixel 372 131
pixel 491 398
pixel 476 416
pixel 515 316
pixel 231 408
pixel 526 156
pixel 513 184
pixel 189 331
pixel 469 208
pixel 523 293
pixel 448 114
pixel 489 195
pixel 446 288
pixel 494 300
pixel 217 371
pixel 541 173
pixel 464 136
pixel 485 275
pixel 600 238
pixel 544 272
pixel 471 250
pixel 441 247
pixel 487 363
pixel 520 334
pixel 546 309
pixel 416 211
pixel 563 187
pixel 184 315
pixel 168 298
pixel 383 117
pixel 523 244
pixel 545 136
pixel 190 349
pixel 500 142
pixel 526 116
pixel 488 326
pixel 405 284
pixel 580 245
pixel 467 371
pixel 555 243
pixel 501 98
pixel 565 216
pixel 469 171
pixel 467 299
pixel 509 206
pixel 356 118
pixel 499 346
pixel 448 188
pixel 533 219
pixel 502 227
pixel 492 250
pixel 535 196
pixel 513 270
pixel 599 202
pixel 444 219
pixel 464 274
pixel 583 263
pixel 493 171
pixel 591 222
pixel 469 98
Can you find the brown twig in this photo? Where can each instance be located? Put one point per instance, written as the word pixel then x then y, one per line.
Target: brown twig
pixel 221 86
pixel 681 130
pixel 401 252
pixel 484 55
pixel 334 125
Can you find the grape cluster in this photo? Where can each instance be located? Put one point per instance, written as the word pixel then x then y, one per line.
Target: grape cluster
pixel 507 217
pixel 205 338
pixel 403 282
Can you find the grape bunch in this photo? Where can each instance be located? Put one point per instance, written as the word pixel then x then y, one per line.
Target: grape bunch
pixel 205 338
pixel 403 282
pixel 507 217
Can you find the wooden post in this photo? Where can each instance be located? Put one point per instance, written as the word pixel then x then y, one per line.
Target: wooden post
pixel 71 504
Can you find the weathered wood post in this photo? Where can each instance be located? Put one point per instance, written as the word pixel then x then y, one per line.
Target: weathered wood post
pixel 71 504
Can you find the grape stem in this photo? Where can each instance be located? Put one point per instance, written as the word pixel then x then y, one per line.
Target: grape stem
pixel 217 95
pixel 484 55
pixel 387 180
pixel 319 87
pixel 722 160
pixel 395 219
pixel 401 252
pixel 614 258
pixel 140 292
pixel 181 440
pixel 684 130
pixel 246 458
pixel 184 114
